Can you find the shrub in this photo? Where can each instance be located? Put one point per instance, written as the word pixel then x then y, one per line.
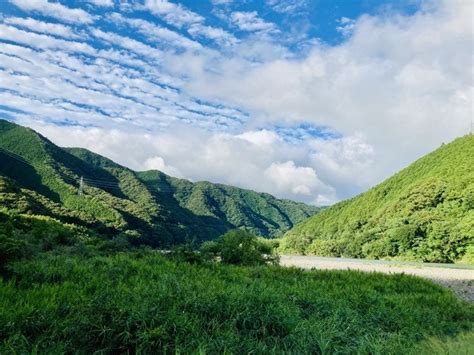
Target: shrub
pixel 186 253
pixel 239 247
pixel 10 249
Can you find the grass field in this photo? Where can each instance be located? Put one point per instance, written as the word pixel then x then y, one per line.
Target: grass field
pixel 145 303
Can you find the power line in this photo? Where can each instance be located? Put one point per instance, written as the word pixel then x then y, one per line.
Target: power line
pixel 104 184
pixel 110 184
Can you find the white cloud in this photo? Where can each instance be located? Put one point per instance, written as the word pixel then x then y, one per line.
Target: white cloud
pixel 104 3
pixel 158 163
pixel 131 44
pixel 221 2
pixel 181 17
pixel 346 26
pixel 251 22
pixel 287 6
pixel 392 91
pixel 296 179
pixel 345 163
pixel 155 33
pixel 260 138
pixel 14 34
pixel 54 9
pixel 395 80
pixel 59 85
pixel 216 34
pixel 174 14
pixel 55 29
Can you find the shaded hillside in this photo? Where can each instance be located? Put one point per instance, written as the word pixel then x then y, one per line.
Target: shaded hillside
pixel 424 212
pixel 38 177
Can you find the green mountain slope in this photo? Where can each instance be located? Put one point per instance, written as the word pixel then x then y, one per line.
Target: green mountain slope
pixel 37 177
pixel 424 212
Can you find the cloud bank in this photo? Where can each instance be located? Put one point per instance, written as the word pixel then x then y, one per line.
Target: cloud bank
pixel 173 92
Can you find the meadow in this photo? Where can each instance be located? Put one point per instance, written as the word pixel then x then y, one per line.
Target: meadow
pixel 143 302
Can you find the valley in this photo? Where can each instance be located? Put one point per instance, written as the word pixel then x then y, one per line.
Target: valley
pixel 79 267
pixel 274 177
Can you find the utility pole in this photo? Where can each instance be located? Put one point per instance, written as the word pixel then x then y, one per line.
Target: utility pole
pixel 81 186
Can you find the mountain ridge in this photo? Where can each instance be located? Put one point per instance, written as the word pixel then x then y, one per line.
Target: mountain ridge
pixel 149 206
pixel 424 212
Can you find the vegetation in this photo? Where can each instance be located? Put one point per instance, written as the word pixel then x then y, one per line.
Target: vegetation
pixel 76 278
pixel 239 248
pixel 462 344
pixel 425 212
pixel 142 302
pixel 37 177
pixel 64 290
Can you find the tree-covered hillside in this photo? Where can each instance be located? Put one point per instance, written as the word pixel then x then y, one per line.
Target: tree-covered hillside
pixel 37 177
pixel 424 212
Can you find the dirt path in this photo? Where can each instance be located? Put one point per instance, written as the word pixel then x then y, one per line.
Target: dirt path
pixel 459 278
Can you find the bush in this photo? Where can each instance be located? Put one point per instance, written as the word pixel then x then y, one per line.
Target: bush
pixel 239 247
pixel 10 249
pixel 186 253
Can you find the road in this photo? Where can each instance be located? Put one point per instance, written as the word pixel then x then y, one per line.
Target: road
pixel 460 278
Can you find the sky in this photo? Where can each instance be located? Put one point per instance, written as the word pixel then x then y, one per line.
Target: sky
pixel 311 100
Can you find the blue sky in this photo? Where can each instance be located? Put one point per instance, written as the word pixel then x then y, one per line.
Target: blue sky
pixel 310 100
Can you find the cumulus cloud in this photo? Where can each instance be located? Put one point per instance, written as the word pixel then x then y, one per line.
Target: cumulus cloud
pixel 299 180
pixel 346 26
pixel 395 80
pixel 260 138
pixel 158 163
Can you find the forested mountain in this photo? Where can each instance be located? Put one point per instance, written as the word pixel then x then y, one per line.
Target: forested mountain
pixel 40 178
pixel 424 212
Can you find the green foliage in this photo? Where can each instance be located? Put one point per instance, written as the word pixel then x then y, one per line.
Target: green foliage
pixel 425 212
pixel 239 247
pixel 37 177
pixel 10 249
pixel 28 235
pixel 460 345
pixel 186 253
pixel 145 303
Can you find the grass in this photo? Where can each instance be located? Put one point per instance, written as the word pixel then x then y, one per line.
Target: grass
pixel 460 345
pixel 145 303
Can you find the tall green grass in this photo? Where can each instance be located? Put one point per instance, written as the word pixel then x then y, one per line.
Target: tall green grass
pixel 145 303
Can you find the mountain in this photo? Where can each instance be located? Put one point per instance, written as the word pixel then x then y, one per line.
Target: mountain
pixel 38 177
pixel 424 212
